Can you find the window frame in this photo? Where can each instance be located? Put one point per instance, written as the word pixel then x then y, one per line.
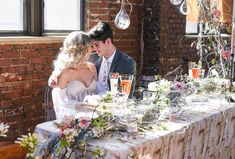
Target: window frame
pixel 33 20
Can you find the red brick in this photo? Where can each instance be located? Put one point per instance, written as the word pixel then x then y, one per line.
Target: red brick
pixel 35 76
pixel 12 94
pixel 5 103
pixel 29 69
pixel 23 46
pixel 100 4
pixel 9 77
pixel 39 84
pixel 48 52
pixel 28 53
pixel 55 46
pixel 38 60
pixel 11 54
pixel 23 100
pixel 40 45
pixel 19 85
pixel 5 62
pixel 21 61
pixel 13 111
pixel 6 46
pixel 50 59
pixel 30 92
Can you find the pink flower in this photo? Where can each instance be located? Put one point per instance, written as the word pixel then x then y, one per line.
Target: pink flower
pixel 84 122
pixel 225 54
pixel 227 83
pixel 67 121
pixel 178 86
pixel 216 14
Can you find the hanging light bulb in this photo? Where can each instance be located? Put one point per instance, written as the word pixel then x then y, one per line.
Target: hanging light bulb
pixel 176 2
pixel 184 9
pixel 122 19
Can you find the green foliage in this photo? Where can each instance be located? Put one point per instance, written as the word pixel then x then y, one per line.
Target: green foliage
pixel 98 153
pixel 162 127
pixel 107 98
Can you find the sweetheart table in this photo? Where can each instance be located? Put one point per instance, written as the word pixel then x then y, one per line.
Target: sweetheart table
pixel 205 129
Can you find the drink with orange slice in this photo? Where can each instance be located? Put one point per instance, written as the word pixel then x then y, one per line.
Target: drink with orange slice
pixel 126 81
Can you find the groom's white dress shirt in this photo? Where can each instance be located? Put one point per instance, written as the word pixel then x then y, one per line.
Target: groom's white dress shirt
pixel 101 87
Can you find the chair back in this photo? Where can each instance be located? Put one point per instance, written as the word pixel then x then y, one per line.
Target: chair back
pixel 48 103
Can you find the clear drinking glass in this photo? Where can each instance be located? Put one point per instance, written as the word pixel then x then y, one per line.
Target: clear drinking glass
pixel 148 97
pixel 195 72
pixel 126 81
pixel 202 73
pixel 190 66
pixel 114 83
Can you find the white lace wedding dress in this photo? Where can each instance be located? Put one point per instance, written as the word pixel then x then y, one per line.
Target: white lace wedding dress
pixel 65 99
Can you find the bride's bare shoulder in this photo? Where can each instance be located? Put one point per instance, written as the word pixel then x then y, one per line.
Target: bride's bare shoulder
pixel 66 76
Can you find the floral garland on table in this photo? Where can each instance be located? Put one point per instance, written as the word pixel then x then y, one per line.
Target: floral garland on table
pixel 170 95
pixel 72 138
pixel 3 129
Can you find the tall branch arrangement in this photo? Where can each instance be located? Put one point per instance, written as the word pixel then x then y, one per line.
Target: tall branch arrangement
pixel 213 49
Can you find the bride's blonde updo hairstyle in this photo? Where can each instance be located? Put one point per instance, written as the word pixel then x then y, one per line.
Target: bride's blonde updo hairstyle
pixel 74 49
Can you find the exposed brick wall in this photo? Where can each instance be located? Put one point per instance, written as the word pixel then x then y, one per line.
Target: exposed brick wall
pixel 165 47
pixel 151 35
pixel 174 48
pixel 24 70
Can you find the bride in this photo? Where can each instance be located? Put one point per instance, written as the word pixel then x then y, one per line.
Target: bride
pixel 76 76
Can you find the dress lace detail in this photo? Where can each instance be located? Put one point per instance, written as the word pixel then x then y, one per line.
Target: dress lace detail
pixel 65 99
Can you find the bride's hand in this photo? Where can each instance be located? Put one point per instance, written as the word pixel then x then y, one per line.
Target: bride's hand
pixel 52 82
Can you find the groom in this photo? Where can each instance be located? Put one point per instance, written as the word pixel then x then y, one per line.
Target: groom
pixel 110 58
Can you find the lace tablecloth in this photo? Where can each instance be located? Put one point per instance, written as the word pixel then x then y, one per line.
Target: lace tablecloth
pixel 207 131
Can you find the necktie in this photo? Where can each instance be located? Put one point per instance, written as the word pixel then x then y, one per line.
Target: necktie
pixel 105 77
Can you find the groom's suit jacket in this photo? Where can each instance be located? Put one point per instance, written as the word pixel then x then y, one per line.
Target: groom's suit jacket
pixel 122 63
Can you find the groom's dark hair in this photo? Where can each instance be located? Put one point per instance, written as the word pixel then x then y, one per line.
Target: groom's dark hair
pixel 101 31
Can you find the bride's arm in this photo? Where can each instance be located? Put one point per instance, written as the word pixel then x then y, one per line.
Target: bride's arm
pixel 93 70
pixel 64 78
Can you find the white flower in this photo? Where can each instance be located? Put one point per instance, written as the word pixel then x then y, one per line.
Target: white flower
pixel 3 129
pixel 152 86
pixel 97 131
pixel 70 134
pixel 163 85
